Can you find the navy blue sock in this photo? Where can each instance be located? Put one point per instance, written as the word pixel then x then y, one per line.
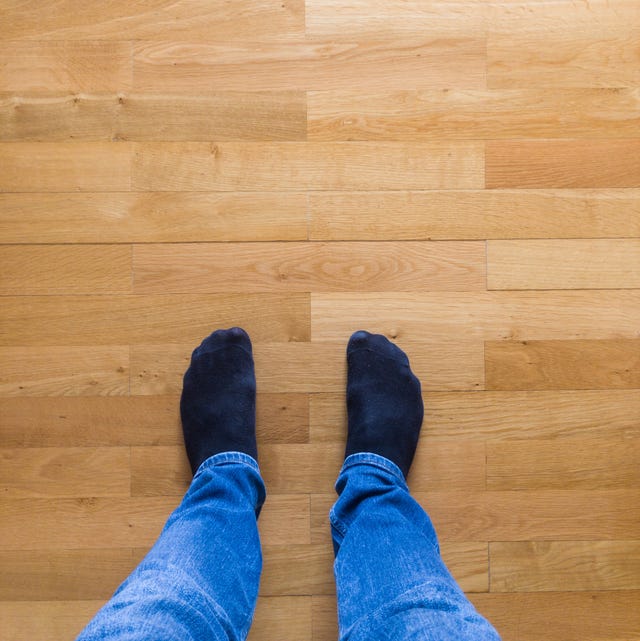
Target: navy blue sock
pixel 218 403
pixel 384 400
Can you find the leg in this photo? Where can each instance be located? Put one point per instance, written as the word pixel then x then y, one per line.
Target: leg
pixel 391 581
pixel 200 580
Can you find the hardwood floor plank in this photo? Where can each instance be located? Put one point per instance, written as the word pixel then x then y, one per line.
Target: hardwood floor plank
pixel 581 364
pixel 296 64
pixel 91 523
pixel 413 116
pixel 64 65
pixel 252 116
pixel 286 618
pixel 65 575
pixel 285 367
pixel 152 217
pixel 546 515
pixel 301 570
pixel 238 166
pixel 64 371
pixel 194 20
pixel 307 267
pixel 132 420
pixel 558 315
pixel 46 620
pixel 55 167
pixel 522 566
pixel 158 319
pixel 303 468
pixel 568 616
pixel 473 214
pixel 526 44
pixel 562 164
pixel 568 464
pixel 368 19
pixel 494 416
pixel 65 269
pixel 563 264
pixel 61 472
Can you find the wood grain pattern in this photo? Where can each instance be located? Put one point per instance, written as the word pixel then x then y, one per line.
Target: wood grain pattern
pixel 59 472
pixel 578 264
pixel 581 364
pixel 502 416
pixel 237 166
pixel 154 20
pixel 510 315
pixel 562 163
pixel 55 167
pixel 312 63
pixel 574 565
pixel 567 464
pixel 65 66
pixel 475 114
pixel 306 267
pixel 132 420
pixel 132 116
pixel 157 319
pixel 568 616
pixel 285 367
pixel 527 43
pixel 474 214
pixel 60 269
pixel 126 217
pixel 64 371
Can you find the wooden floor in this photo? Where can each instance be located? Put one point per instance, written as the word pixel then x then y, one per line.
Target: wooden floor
pixel 462 176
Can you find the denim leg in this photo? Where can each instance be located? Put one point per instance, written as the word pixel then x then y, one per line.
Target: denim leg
pixel 392 584
pixel 200 580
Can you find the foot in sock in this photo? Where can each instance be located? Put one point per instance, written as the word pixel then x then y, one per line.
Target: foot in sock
pixel 384 401
pixel 218 403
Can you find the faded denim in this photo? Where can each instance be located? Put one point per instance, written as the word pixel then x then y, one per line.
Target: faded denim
pixel 200 580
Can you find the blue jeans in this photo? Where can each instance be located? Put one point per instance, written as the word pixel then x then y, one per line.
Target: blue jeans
pixel 200 580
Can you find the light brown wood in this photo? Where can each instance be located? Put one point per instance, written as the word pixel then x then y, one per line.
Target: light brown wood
pixel 132 116
pixel 60 269
pixel 126 217
pixel 64 371
pixel 306 267
pixel 568 464
pixel 159 319
pixel 59 472
pixel 442 316
pixel 580 364
pixel 562 163
pixel 237 166
pixel 476 114
pixel 551 565
pixel 568 616
pixel 155 20
pixel 310 64
pixel 132 420
pixel 307 367
pixel 460 176
pixel 57 167
pixel 474 214
pixel 578 264
pixel 65 66
pixel 527 44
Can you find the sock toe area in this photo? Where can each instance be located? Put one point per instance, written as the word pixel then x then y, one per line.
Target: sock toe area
pixel 377 343
pixel 222 338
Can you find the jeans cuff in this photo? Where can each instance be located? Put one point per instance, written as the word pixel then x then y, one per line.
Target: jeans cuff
pixel 226 458
pixel 369 458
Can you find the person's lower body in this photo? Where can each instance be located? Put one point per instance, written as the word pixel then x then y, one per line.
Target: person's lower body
pixel 200 580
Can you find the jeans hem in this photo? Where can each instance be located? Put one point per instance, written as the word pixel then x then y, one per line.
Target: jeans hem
pixel 369 458
pixel 226 458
